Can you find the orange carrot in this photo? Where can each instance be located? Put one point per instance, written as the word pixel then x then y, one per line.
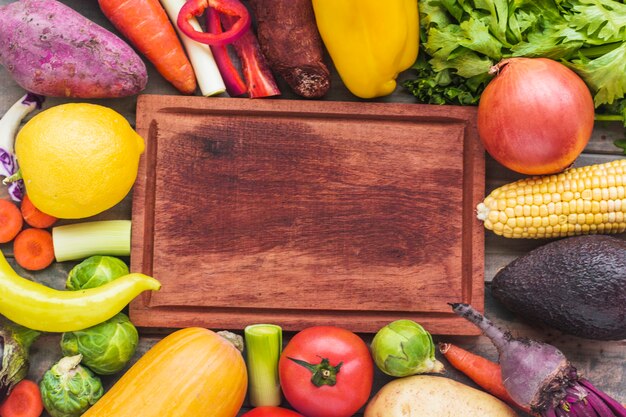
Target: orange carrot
pixel 33 250
pixel 146 25
pixel 23 401
pixel 485 373
pixel 35 217
pixel 10 221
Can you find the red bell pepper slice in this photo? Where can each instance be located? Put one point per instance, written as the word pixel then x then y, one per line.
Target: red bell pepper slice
pixel 233 8
pixel 234 84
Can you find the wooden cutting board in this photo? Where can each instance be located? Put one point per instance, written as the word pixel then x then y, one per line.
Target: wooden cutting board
pixel 306 213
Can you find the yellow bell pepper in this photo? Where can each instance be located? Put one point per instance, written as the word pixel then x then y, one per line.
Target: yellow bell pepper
pixel 369 41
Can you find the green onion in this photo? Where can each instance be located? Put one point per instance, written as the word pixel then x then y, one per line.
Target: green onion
pixel 264 344
pixel 81 240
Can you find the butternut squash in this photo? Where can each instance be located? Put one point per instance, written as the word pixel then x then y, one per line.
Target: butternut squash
pixel 192 372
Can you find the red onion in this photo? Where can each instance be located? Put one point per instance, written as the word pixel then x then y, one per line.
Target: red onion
pixel 536 116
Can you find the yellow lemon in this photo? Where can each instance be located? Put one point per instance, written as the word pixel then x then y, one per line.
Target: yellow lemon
pixel 78 159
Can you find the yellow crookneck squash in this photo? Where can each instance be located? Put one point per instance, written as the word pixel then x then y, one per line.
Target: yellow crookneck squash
pixel 369 41
pixel 192 372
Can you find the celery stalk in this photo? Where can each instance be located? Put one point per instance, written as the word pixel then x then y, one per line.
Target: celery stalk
pixel 81 240
pixel 264 343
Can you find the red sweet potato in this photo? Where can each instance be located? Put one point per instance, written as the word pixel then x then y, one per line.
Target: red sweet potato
pixel 52 50
pixel 290 41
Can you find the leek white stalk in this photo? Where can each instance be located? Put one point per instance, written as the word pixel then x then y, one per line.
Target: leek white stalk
pixel 207 73
pixel 264 344
pixel 9 124
pixel 81 240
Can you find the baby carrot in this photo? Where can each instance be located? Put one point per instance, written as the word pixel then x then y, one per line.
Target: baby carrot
pixel 482 371
pixel 35 217
pixel 10 221
pixel 23 401
pixel 146 25
pixel 33 250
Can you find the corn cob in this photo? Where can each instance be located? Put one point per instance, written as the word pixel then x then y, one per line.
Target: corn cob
pixel 585 200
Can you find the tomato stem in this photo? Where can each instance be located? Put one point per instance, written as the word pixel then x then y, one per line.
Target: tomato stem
pixel 323 373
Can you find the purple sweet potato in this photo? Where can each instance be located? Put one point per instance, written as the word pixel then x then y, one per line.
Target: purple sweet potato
pixel 52 50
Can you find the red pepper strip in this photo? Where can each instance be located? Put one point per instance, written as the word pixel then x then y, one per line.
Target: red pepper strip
pixel 234 8
pixel 234 84
pixel 256 71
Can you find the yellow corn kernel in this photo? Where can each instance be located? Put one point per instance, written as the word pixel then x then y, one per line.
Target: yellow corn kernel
pixel 590 199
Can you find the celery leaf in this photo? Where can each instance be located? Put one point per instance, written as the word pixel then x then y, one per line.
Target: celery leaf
pixel 602 19
pixel 605 76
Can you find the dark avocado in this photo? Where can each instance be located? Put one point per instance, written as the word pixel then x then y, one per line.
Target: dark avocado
pixel 576 285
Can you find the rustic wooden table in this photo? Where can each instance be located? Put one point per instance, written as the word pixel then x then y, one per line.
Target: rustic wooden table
pixel 602 362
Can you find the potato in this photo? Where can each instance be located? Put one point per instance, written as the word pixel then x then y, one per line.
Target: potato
pixel 434 396
pixel 52 50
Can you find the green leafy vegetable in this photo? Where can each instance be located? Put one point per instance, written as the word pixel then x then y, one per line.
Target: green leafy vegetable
pixel 69 389
pixel 404 347
pixel 95 271
pixel 462 39
pixel 106 347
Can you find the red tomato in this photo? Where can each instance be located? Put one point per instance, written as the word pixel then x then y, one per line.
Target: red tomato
pixel 326 371
pixel 271 412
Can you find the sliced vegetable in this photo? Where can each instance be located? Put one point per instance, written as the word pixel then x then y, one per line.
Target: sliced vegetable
pixel 482 371
pixel 81 240
pixel 191 372
pixel 326 371
pixel 207 74
pixel 559 205
pixel 191 8
pixel 38 307
pixel 61 53
pixel 9 124
pixel 15 342
pixel 69 389
pixel 11 221
pixel 537 375
pixel 257 74
pixel 403 348
pixel 32 249
pixel 264 344
pixel 525 96
pixel 95 271
pixel 234 84
pixel 146 25
pixel 23 401
pixel 434 396
pixel 107 347
pixel 35 217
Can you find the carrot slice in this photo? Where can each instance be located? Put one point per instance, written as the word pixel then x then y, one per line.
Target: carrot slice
pixel 33 250
pixel 23 401
pixel 35 217
pixel 10 221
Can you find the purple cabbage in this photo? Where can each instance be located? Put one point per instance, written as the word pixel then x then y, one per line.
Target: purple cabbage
pixel 9 124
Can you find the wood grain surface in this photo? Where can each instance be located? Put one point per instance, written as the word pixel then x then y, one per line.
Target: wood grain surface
pixel 600 361
pixel 305 213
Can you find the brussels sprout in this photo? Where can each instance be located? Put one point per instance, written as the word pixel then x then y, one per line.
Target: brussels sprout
pixel 94 272
pixel 106 347
pixel 404 348
pixel 69 389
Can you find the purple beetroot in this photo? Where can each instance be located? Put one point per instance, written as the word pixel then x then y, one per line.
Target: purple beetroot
pixel 537 375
